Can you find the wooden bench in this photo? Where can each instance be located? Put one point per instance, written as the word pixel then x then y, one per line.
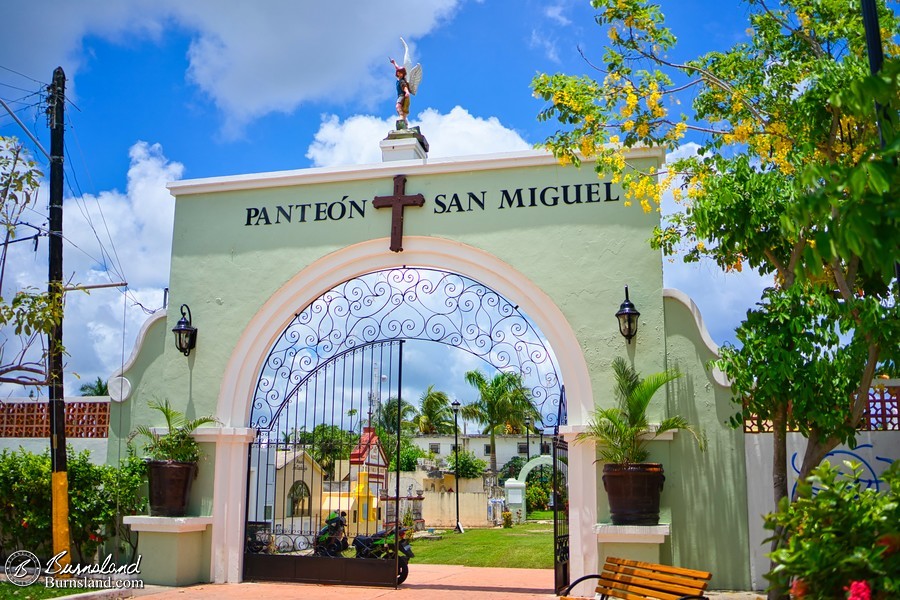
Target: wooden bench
pixel 635 580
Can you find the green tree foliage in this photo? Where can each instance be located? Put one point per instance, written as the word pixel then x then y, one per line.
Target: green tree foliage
pixel 502 406
pixel 435 415
pixel 469 466
pixel 409 455
pixel 30 314
pixel 791 178
pixel 538 488
pixel 839 532
pixel 537 495
pixel 388 413
pixel 512 468
pixel 94 388
pixel 329 444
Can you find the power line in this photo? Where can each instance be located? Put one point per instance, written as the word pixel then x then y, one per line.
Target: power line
pixel 25 129
pixel 43 83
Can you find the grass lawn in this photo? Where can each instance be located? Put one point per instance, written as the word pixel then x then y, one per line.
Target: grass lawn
pixel 527 546
pixel 540 515
pixel 35 591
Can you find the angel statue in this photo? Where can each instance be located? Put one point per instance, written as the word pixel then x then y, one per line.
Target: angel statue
pixel 408 79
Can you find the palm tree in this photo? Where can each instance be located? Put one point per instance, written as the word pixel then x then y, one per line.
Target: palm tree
pixel 623 430
pixel 502 405
pixel 435 414
pixel 387 415
pixel 95 388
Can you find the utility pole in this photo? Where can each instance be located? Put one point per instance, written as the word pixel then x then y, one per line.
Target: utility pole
pixel 57 407
pixel 876 60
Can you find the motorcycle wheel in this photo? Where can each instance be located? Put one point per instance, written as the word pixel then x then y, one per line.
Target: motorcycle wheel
pixel 402 571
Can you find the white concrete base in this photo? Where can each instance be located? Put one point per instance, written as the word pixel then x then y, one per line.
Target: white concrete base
pixel 167 524
pixel 631 534
pixel 402 148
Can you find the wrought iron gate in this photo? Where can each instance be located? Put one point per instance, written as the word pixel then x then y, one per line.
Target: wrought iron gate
pixel 318 457
pixel 318 384
pixel 561 502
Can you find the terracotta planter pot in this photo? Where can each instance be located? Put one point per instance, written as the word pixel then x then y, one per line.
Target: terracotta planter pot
pixel 633 492
pixel 170 487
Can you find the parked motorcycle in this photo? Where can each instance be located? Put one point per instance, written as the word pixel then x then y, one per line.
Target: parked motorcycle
pixel 332 539
pixel 383 544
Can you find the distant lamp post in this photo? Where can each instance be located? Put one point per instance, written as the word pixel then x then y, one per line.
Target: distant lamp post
pixel 455 406
pixel 185 333
pixel 628 318
pixel 527 439
pixel 542 451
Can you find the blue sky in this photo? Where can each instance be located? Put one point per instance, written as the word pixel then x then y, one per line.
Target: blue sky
pixel 164 89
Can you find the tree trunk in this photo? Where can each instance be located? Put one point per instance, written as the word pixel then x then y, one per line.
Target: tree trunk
pixel 779 483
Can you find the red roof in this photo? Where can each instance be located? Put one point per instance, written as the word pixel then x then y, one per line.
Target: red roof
pixel 367 441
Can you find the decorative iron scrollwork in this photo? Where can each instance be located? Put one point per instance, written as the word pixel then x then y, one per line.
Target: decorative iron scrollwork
pixel 408 303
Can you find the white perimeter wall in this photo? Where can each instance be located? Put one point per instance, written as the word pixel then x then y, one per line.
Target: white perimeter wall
pixel 875 450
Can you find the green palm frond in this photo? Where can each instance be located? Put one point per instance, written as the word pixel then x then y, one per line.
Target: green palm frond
pixel 622 431
pixel 177 443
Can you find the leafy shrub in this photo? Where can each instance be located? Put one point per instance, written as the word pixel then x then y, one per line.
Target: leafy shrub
pixel 99 495
pixel 507 519
pixel 25 514
pixel 537 496
pixel 838 537
pixel 469 466
pixel 409 456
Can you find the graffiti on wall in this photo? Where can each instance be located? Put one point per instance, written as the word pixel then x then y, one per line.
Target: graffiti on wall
pixel 871 469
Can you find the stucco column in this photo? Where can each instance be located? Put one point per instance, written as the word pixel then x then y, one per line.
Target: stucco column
pixel 583 558
pixel 229 498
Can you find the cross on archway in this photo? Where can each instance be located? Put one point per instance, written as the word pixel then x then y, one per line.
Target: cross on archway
pixel 398 202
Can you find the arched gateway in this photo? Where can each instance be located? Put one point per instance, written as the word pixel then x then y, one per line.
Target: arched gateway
pixel 324 392
pixel 251 253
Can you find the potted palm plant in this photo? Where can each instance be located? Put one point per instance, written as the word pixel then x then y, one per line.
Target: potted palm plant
pixel 172 459
pixel 622 433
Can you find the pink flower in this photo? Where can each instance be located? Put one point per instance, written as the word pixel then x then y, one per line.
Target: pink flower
pixel 859 590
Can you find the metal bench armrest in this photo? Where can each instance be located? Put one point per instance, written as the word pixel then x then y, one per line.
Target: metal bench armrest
pixel 579 580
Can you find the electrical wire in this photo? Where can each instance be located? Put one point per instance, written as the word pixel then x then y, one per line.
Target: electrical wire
pixel 110 261
pixel 44 83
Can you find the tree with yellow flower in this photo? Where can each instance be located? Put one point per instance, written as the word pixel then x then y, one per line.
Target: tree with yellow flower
pixel 791 178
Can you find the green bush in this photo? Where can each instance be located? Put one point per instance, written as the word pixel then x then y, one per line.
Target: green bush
pixel 409 456
pixel 469 466
pixel 99 495
pixel 837 536
pixel 25 516
pixel 537 496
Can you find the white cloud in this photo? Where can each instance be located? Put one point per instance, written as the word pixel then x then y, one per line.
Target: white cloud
pixel 555 13
pixel 540 40
pixel 250 59
pixel 134 230
pixel 457 133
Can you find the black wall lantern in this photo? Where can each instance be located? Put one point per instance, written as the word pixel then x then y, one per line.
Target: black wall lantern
pixel 628 318
pixel 185 334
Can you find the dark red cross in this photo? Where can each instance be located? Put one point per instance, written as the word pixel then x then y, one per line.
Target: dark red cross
pixel 398 202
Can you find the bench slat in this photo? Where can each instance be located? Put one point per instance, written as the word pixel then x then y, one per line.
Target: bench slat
pixel 636 580
pixel 619 579
pixel 633 592
pixel 661 568
pixel 680 584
